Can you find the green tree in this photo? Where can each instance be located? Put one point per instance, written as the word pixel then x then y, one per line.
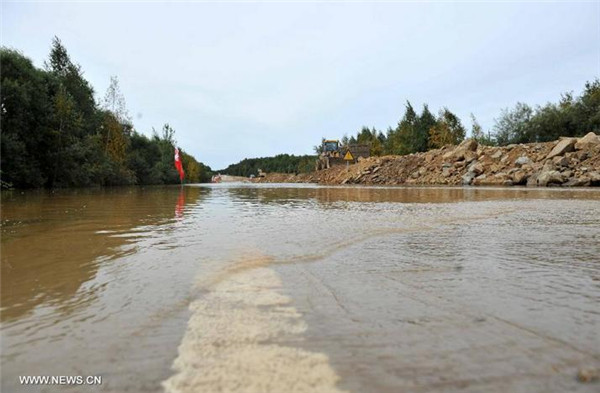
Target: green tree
pixel 191 167
pixel 377 143
pixel 70 75
pixel 406 142
pixel 424 123
pixel 25 129
pixel 58 61
pixel 388 146
pixel 513 125
pixel 281 163
pixel 67 122
pixel 447 131
pixel 143 158
pixel 586 109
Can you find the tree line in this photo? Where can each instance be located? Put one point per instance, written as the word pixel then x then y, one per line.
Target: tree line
pixel 55 134
pixel 281 163
pixel 418 132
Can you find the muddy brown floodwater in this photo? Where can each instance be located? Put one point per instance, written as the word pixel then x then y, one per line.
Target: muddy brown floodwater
pixel 301 288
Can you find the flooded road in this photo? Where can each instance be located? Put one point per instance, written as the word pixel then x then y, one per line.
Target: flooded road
pixel 257 288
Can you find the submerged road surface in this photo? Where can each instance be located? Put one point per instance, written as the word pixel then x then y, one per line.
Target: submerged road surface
pixel 291 288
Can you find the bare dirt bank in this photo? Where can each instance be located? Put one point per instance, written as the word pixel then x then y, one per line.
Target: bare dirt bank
pixel 233 179
pixel 568 162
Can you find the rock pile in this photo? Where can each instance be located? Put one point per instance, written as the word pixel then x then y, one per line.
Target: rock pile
pixel 568 162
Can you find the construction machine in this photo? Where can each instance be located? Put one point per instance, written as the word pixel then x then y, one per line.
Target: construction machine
pixel 333 153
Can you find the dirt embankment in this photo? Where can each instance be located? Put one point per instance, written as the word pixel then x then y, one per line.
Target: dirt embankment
pixel 568 162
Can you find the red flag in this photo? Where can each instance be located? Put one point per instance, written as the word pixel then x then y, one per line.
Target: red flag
pixel 178 164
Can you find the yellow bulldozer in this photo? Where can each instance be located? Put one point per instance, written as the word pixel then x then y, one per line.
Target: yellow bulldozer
pixel 333 153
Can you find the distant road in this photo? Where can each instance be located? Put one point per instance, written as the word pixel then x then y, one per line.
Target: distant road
pixel 233 179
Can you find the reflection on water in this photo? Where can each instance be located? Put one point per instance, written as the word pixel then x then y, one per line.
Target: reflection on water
pixel 283 193
pixel 103 278
pixel 180 204
pixel 53 243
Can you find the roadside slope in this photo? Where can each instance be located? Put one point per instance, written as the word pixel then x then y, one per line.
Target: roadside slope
pixel 568 162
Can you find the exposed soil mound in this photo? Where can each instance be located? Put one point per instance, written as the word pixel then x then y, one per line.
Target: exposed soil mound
pixel 569 162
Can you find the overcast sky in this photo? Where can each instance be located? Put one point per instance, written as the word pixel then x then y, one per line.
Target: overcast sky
pixel 239 80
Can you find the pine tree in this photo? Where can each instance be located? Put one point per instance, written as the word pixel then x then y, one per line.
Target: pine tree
pixel 58 61
pixel 406 140
pixel 424 124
